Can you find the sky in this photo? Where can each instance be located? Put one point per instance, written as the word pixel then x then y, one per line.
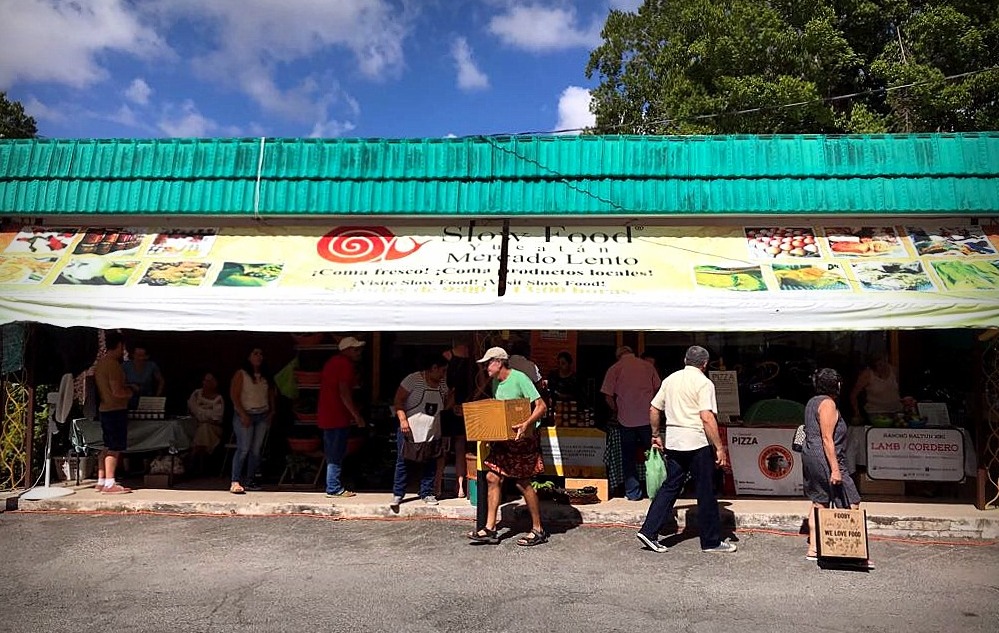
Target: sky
pixel 301 68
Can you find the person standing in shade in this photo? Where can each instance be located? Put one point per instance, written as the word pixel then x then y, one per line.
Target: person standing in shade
pixel 460 379
pixel 519 458
pixel 419 401
pixel 207 407
pixel 113 411
pixel 628 388
pixel 337 410
pixel 142 376
pixel 253 400
pixel 693 446
pixel 878 382
pixel 562 383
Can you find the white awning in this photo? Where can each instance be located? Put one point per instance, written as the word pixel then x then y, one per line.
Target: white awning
pixel 802 276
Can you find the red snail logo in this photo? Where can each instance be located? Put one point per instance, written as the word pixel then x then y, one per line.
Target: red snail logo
pixel 776 462
pixel 363 244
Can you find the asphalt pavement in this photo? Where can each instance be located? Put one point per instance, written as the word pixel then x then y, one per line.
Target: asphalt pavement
pixel 79 572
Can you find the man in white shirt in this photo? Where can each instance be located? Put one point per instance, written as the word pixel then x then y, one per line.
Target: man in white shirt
pixel 628 387
pixel 694 446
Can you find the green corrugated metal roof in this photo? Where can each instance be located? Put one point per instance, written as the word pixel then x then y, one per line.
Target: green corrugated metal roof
pixel 506 176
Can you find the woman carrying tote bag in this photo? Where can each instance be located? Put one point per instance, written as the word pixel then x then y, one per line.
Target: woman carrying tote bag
pixel 823 454
pixel 418 403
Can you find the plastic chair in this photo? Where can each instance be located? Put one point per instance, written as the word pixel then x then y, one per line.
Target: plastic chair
pixel 775 412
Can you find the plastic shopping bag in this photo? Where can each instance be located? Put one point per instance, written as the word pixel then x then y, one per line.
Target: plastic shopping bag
pixel 655 471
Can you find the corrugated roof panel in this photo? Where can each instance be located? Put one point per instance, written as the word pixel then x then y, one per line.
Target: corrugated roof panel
pixel 513 176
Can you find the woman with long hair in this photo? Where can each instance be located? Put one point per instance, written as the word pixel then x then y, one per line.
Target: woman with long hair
pixel 253 398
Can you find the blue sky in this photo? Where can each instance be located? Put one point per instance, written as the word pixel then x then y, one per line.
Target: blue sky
pixel 326 68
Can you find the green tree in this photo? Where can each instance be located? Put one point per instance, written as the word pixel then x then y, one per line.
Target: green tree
pixel 14 123
pixel 697 66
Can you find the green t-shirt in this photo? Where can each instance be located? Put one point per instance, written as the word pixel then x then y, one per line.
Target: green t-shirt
pixel 516 385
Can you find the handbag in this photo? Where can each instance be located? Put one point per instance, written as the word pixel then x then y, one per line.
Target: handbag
pixel 798 443
pixel 421 451
pixel 841 532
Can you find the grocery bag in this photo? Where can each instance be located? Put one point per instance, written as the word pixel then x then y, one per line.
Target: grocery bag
pixel 655 471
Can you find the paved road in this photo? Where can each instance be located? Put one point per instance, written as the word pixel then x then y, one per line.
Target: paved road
pixel 300 574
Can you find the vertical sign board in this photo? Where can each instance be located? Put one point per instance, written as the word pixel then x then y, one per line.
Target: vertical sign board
pixel 726 394
pixel 915 454
pixel 763 462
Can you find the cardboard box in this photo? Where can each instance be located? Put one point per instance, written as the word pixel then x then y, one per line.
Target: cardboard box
pixel 603 491
pixel 868 486
pixel 492 420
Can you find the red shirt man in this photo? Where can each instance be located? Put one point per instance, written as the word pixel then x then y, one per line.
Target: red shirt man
pixel 336 388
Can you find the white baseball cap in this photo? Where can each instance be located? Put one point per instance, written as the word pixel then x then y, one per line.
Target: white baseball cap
pixel 349 341
pixel 494 353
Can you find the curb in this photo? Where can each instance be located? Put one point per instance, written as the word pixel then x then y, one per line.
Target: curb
pixel 979 528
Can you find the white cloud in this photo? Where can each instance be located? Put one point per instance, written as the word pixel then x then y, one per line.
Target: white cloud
pixel 61 41
pixel 626 5
pixel 574 109
pixel 330 129
pixel 42 112
pixel 125 116
pixel 469 75
pixel 186 121
pixel 138 91
pixel 540 29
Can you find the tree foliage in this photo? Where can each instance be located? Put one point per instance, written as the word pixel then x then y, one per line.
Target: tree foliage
pixel 14 123
pixel 695 66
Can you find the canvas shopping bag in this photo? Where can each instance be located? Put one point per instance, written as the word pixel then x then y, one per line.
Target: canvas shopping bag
pixel 841 533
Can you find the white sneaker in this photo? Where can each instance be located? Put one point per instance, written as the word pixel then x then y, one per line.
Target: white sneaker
pixel 430 500
pixel 722 548
pixel 394 506
pixel 652 544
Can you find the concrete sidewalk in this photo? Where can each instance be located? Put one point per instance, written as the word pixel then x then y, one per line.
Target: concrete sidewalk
pixel 911 520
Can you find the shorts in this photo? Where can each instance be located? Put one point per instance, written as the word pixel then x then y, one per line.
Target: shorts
pixel 114 426
pixel 452 425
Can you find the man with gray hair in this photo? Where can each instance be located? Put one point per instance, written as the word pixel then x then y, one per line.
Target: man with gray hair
pixel 693 446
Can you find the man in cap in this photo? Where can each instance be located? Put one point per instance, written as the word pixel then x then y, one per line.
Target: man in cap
pixel 337 410
pixel 519 458
pixel 693 446
pixel 628 388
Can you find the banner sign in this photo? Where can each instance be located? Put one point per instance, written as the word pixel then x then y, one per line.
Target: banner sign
pixel 763 462
pixel 573 452
pixel 915 454
pixel 287 278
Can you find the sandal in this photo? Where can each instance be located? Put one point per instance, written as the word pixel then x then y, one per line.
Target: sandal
pixel 534 538
pixel 237 489
pixel 486 536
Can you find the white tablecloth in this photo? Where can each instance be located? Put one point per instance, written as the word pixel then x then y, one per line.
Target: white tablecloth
pixel 856 450
pixel 171 434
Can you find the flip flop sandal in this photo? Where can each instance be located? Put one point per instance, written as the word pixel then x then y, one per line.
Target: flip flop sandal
pixel 489 537
pixel 532 539
pixel 237 489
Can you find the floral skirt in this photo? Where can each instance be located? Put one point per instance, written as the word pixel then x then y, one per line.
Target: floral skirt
pixel 517 459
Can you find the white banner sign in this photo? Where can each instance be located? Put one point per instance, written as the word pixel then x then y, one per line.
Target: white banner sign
pixel 915 454
pixel 763 462
pixel 573 452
